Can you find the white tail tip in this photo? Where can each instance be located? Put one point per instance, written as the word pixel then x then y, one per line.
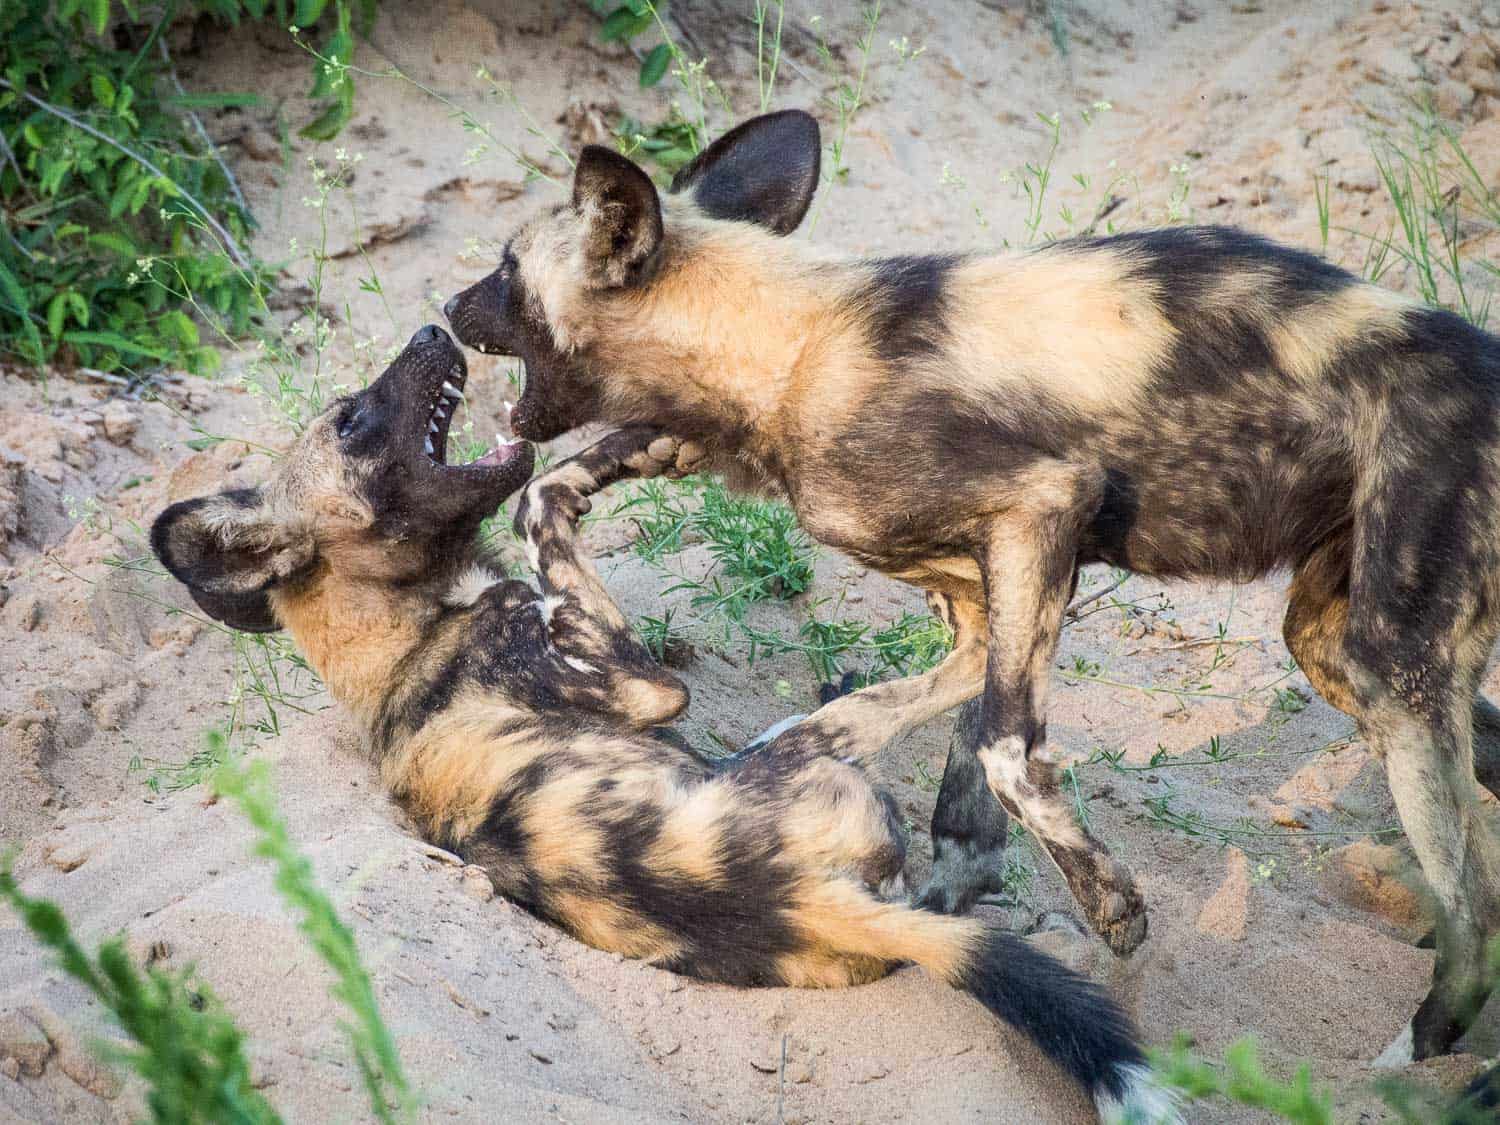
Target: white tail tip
pixel 1143 1101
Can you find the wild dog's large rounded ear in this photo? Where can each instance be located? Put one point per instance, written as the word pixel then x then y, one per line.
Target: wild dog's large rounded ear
pixel 228 550
pixel 622 217
pixel 763 171
pixel 249 613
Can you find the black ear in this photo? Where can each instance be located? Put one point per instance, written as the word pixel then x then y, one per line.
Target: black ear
pixel 228 550
pixel 622 217
pixel 763 171
pixel 249 613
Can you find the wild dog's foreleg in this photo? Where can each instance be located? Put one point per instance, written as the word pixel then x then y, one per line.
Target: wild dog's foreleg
pixel 584 624
pixel 1028 558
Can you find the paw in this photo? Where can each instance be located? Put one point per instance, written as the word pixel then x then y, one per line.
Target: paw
pixel 1120 919
pixel 666 456
pixel 828 692
pixel 556 499
pixel 962 874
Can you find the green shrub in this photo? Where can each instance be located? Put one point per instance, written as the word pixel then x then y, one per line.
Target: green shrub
pixel 123 232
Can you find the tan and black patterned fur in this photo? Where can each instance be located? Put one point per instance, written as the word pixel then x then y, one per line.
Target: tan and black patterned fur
pixel 516 727
pixel 1195 402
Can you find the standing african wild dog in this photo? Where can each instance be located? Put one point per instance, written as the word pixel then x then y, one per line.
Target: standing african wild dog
pixel 515 727
pixel 1193 402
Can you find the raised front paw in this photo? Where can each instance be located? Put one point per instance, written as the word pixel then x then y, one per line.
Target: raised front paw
pixel 554 501
pixel 640 451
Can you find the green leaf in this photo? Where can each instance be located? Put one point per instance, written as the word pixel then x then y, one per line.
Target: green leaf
pixel 15 296
pixel 673 158
pixel 121 197
pixel 115 243
pixel 57 312
pixel 79 306
pixel 205 361
pixel 199 444
pixel 103 88
pixel 623 25
pixel 227 100
pixel 181 327
pixel 654 65
pixel 330 80
pixel 143 192
pixel 330 121
pixel 307 12
pixel 99 13
pixel 118 342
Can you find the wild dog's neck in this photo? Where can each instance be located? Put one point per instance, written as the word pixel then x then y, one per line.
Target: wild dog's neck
pixel 722 338
pixel 353 634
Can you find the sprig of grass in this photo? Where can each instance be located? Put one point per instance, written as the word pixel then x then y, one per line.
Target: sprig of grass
pixel 767 54
pixel 1243 1080
pixel 846 100
pixel 1434 188
pixel 390 1095
pixel 188 1049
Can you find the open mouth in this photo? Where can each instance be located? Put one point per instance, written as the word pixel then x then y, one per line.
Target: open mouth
pixel 446 397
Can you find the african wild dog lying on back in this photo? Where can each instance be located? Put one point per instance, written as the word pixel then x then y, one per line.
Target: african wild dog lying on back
pixel 1192 402
pixel 515 727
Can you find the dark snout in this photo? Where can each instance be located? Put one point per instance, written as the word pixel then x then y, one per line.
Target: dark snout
pixel 481 316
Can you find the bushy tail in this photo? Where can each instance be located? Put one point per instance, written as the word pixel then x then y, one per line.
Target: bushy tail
pixel 1077 1023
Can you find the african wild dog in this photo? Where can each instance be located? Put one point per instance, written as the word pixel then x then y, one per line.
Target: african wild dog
pixel 1194 402
pixel 516 727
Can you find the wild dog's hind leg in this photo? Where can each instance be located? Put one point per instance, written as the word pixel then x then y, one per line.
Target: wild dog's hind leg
pixel 1423 584
pixel 1431 778
pixel 969 826
pixel 1029 554
pixel 864 722
pixel 618 676
pixel 1317 616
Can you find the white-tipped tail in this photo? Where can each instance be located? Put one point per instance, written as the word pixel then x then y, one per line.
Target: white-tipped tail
pixel 1142 1100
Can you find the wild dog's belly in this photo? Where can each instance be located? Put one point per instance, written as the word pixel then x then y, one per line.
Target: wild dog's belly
pixel 1206 489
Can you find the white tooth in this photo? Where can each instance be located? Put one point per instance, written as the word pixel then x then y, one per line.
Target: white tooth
pixel 451 391
pixel 500 442
pixel 428 446
pixel 432 427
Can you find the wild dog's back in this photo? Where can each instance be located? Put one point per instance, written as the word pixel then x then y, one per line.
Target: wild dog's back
pixel 1226 391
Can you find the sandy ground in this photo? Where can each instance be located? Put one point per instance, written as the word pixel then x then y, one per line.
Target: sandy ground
pixel 1280 904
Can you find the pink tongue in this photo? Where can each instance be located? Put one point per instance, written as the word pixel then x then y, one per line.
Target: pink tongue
pixel 490 457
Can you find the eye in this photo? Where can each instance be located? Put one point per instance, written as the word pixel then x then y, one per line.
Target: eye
pixel 348 420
